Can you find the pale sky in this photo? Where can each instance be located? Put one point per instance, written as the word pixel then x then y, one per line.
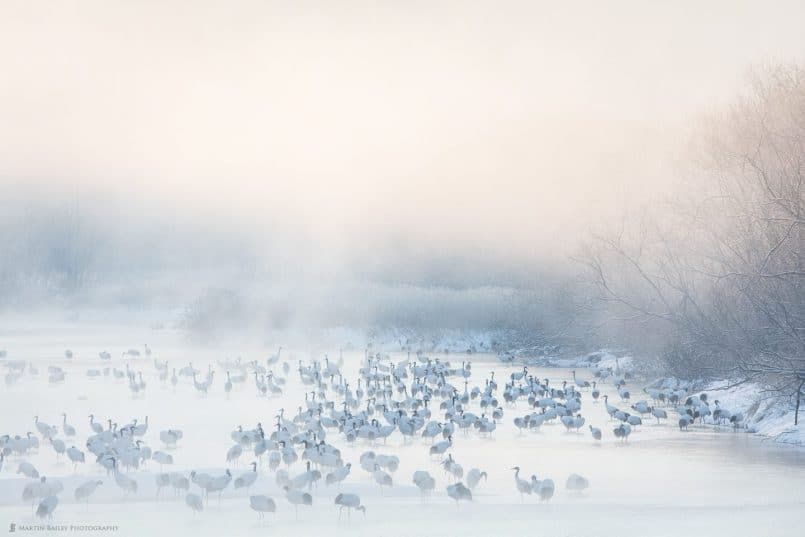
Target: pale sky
pixel 441 124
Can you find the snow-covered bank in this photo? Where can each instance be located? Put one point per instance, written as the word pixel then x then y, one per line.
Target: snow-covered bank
pixel 758 410
pixel 734 405
pixel 763 413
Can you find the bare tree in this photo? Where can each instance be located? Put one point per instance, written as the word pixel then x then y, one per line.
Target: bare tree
pixel 718 274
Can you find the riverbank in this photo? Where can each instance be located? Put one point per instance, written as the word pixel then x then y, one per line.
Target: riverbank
pixel 765 413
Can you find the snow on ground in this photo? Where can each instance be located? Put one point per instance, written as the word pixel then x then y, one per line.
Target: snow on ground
pixel 764 414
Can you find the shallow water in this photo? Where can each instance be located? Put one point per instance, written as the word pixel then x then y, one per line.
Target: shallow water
pixel 661 482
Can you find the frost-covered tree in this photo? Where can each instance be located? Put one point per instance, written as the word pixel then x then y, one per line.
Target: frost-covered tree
pixel 717 277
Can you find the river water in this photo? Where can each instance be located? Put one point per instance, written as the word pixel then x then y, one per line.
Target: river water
pixel 705 481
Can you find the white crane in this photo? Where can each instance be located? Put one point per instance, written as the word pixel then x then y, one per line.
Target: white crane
pixel 297 498
pixel 425 482
pixel 108 462
pixel 262 504
pixel 46 507
pixel 306 478
pixel 44 429
pixel 36 490
pixel 170 437
pixel 162 458
pixel 381 478
pixel 634 420
pixel 246 480
pixel 96 427
pixel 274 358
pixel 459 492
pixel 194 502
pixel 338 475
pixel 234 453
pixel 453 468
pixel 622 431
pixel 523 486
pixel 474 477
pixel 201 480
pixel 85 490
pixel 576 483
pixel 659 414
pixel 432 430
pixel 350 501
pixel 125 482
pixel 611 410
pixel 274 460
pixel 58 446
pixel 142 428
pixel 545 489
pixel 388 462
pixel 27 469
pixel 51 487
pixel 162 481
pixel 68 429
pixel 75 455
pixel 440 447
pixel 218 484
pixel 641 407
pixel 31 442
pixel 580 383
pixel 179 482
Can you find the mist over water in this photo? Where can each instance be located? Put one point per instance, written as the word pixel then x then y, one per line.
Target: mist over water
pixel 344 154
pixel 552 250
